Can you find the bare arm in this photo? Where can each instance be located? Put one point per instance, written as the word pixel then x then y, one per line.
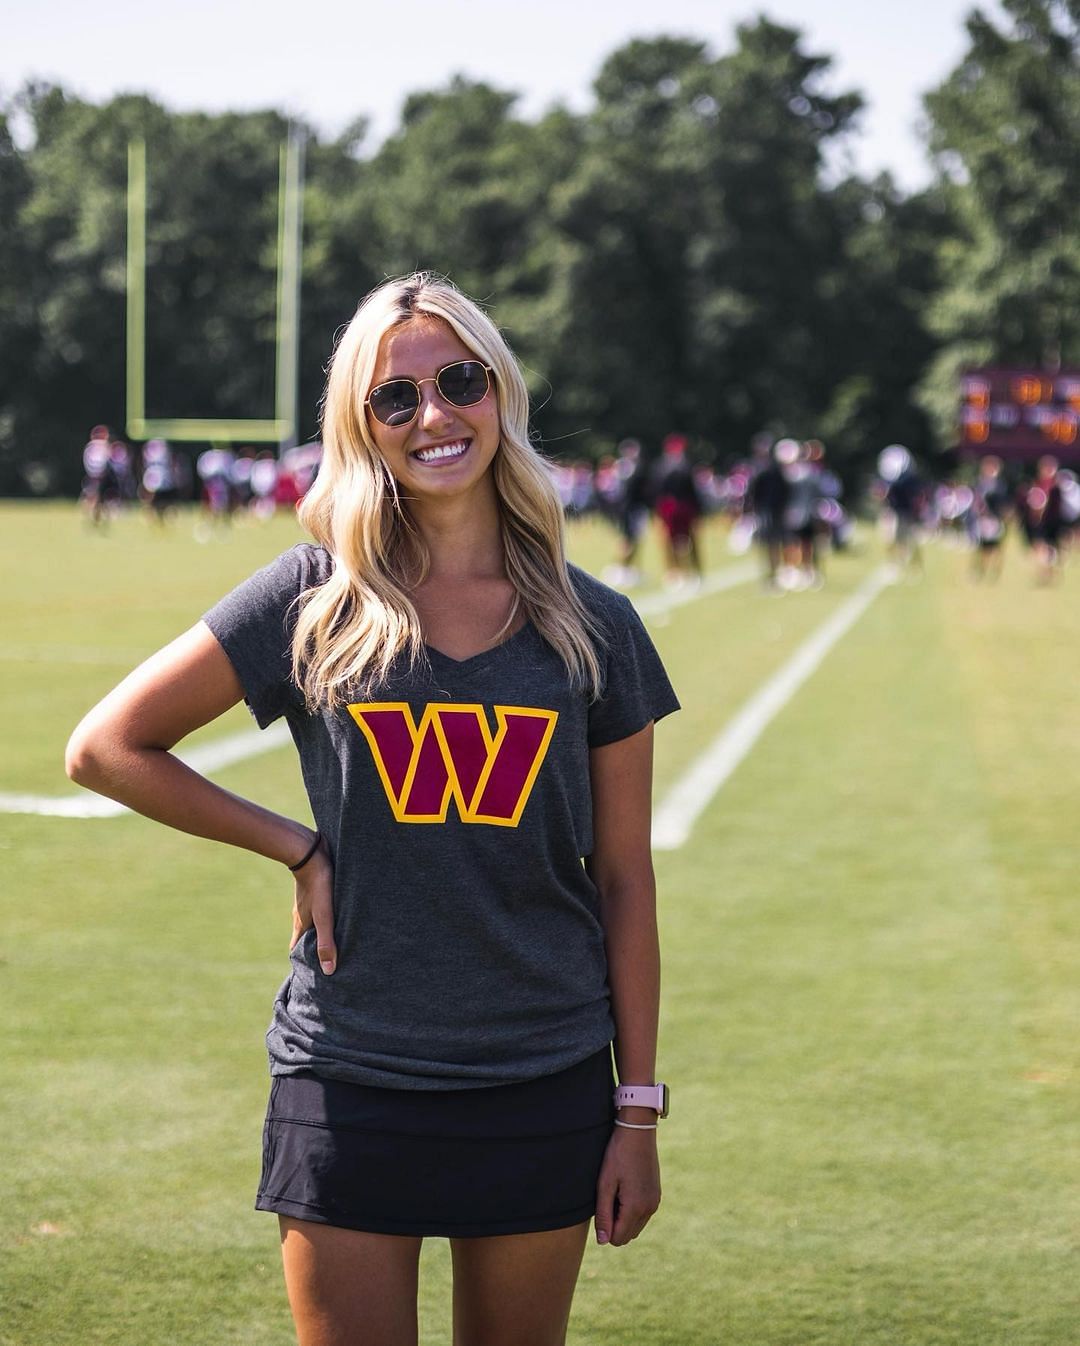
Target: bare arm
pixel 121 749
pixel 122 746
pixel 621 868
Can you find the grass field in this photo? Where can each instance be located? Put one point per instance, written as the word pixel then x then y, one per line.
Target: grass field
pixel 871 1007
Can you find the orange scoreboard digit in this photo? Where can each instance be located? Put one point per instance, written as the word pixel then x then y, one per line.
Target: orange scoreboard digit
pixel 1020 413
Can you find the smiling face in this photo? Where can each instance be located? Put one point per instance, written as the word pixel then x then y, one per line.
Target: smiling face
pixel 444 451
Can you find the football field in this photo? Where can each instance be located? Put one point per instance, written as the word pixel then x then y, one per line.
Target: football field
pixel 870 915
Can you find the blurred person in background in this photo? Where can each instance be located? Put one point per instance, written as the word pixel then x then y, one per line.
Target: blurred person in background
pixel 239 473
pixel 606 486
pixel 632 508
pixel 988 519
pixel 562 478
pixel 1041 505
pixel 160 484
pixel 801 520
pixel 679 509
pixel 903 498
pixel 297 471
pixel 263 480
pixel 1070 506
pixel 215 469
pixel 835 523
pixel 953 502
pixel 710 489
pixel 474 920
pixel 582 498
pixel 122 463
pixel 766 499
pixel 99 482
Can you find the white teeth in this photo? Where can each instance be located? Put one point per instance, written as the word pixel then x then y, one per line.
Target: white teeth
pixel 443 451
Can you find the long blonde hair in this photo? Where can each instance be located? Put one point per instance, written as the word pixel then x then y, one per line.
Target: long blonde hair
pixel 350 630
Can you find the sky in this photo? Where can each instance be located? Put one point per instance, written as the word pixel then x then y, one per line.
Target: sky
pixel 330 62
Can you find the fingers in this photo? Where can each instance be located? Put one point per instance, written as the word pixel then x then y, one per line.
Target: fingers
pixel 620 1219
pixel 630 1219
pixel 627 1194
pixel 298 928
pixel 313 907
pixel 605 1206
pixel 322 916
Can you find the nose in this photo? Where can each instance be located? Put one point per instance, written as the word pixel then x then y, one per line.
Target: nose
pixel 434 411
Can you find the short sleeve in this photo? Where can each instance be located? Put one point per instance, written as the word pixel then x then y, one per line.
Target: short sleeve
pixel 254 625
pixel 636 688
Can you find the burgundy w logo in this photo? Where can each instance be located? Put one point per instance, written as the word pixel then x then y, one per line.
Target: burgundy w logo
pixel 452 754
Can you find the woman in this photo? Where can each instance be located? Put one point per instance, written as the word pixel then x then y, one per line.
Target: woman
pixel 473 718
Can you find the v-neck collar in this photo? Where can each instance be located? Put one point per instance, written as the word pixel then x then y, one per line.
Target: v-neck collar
pixel 482 656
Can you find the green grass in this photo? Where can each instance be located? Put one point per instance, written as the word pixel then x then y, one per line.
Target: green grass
pixel 871 997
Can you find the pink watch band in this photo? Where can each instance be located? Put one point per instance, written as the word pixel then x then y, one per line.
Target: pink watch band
pixel 653 1096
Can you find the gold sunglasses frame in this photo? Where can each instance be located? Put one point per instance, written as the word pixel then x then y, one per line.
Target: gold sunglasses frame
pixel 489 374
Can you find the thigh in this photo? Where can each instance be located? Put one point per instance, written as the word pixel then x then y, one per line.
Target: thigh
pixel 516 1289
pixel 348 1288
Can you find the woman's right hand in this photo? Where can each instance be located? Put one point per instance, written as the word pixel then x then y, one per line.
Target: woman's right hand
pixel 313 905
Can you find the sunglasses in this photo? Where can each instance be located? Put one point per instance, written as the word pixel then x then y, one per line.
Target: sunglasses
pixel 462 384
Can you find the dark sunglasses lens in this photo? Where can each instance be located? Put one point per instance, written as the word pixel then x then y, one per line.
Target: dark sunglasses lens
pixel 463 384
pixel 394 403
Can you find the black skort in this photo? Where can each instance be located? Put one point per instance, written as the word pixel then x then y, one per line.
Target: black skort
pixel 508 1159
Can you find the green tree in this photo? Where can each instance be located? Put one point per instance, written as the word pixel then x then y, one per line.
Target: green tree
pixel 676 258
pixel 449 191
pixel 71 224
pixel 211 263
pixel 18 326
pixel 884 273
pixel 700 233
pixel 1005 132
pixel 342 247
pixel 616 348
pixel 463 188
pixel 771 292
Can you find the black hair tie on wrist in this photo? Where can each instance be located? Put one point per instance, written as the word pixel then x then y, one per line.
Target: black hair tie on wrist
pixel 307 855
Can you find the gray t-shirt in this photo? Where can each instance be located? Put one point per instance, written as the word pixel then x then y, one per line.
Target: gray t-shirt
pixel 457 807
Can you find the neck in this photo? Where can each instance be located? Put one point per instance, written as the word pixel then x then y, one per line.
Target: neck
pixel 463 537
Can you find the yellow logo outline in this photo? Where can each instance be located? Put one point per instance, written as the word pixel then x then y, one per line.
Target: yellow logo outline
pixel 430 721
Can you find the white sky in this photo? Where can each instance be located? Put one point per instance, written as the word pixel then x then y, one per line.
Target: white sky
pixel 331 61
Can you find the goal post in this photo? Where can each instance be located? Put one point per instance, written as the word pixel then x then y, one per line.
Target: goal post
pixel 279 429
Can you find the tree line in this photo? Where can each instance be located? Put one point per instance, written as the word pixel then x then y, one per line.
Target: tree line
pixel 685 255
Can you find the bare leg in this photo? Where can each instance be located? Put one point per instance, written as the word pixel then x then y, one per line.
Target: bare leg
pixel 516 1289
pixel 775 557
pixel 1046 560
pixel 682 555
pixel 671 554
pixel 347 1288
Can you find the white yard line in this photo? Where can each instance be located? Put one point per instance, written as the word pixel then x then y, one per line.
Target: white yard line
pixel 204 757
pixel 651 605
pixel 694 791
pixel 223 752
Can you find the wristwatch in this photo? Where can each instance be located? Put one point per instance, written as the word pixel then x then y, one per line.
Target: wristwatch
pixel 655 1096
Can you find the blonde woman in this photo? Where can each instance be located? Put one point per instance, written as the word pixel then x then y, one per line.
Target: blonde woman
pixel 474 919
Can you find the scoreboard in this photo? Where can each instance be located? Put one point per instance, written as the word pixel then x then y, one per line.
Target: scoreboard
pixel 1020 413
